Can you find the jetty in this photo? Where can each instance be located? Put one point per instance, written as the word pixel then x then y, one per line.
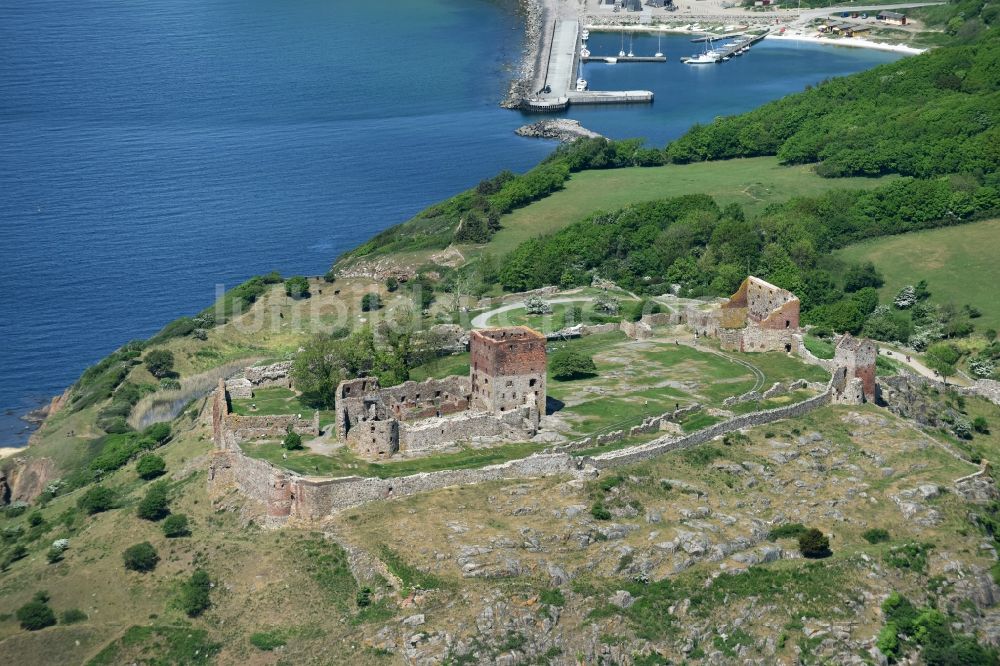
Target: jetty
pixel 597 58
pixel 727 51
pixel 562 60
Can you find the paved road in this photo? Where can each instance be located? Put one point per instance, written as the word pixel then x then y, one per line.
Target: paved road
pixel 807 15
pixel 482 321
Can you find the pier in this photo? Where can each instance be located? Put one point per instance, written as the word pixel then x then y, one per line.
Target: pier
pixel 559 91
pixel 596 58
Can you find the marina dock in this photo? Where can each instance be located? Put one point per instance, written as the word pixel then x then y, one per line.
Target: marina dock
pixel 559 91
pixel 596 58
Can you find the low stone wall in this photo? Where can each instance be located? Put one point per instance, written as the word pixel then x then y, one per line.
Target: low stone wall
pixel 656 447
pixel 270 427
pixel 776 389
pixel 649 425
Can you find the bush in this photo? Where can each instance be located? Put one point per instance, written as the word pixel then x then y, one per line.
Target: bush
pixel 570 364
pixel 297 287
pixel 535 305
pixel 96 500
pixel 293 441
pixel 814 544
pixel 176 526
pixel 981 425
pixel 600 512
pixel 160 363
pixel 194 598
pixel 158 432
pixel 371 302
pixel 330 277
pixel 150 466
pixel 141 557
pixel 73 615
pixel 364 597
pixel 35 615
pixel 54 555
pixel 787 531
pixel 155 505
pixel 876 535
pixel 267 640
pixel 392 284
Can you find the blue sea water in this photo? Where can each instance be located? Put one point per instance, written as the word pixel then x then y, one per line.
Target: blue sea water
pixel 152 150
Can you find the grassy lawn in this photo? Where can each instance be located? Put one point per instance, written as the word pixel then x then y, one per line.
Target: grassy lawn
pixel 959 263
pixel 752 183
pixel 446 366
pixel 276 400
pixel 820 348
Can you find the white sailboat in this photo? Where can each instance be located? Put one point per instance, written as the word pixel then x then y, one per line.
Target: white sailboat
pixel 630 52
pixel 581 83
pixel 585 35
pixel 709 57
pixel 659 53
pixel 621 54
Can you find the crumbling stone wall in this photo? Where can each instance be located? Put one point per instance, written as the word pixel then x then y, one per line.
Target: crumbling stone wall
pixel 434 397
pixel 431 434
pixel 229 429
pixel 276 374
pixel 759 317
pixel 374 439
pixel 508 369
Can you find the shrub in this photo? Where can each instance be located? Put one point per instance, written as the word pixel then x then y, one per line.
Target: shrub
pixel 570 364
pixel 96 500
pixel 267 640
pixel 364 597
pixel 35 615
pixel 962 428
pixel 73 615
pixel 297 287
pixel 141 557
pixel 54 555
pixel 607 304
pixel 888 641
pixel 176 526
pixel 814 544
pixel 155 505
pixel 293 441
pixel 535 305
pixel 330 277
pixel 787 531
pixel 391 283
pixel 194 594
pixel 160 363
pixel 150 466
pixel 371 302
pixel 980 425
pixel 600 512
pixel 876 535
pixel 158 432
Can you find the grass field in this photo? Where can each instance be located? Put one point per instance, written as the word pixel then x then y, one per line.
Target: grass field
pixel 959 263
pixel 752 183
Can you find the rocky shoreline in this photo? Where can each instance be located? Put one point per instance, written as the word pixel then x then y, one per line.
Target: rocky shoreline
pixel 561 129
pixel 521 85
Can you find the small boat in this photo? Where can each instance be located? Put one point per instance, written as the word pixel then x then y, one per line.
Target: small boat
pixel 659 53
pixel 630 52
pixel 585 35
pixel 621 54
pixel 584 52
pixel 581 85
pixel 611 61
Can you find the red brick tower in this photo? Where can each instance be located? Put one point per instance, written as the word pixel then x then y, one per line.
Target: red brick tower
pixel 507 368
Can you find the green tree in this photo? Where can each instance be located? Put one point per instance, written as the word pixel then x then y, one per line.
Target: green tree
pixel 158 432
pixel 96 500
pixel 160 363
pixel 150 466
pixel 859 276
pixel 571 364
pixel 35 615
pixel 814 544
pixel 391 284
pixel 141 557
pixel 176 525
pixel 155 505
pixel 371 302
pixel 297 287
pixel 194 594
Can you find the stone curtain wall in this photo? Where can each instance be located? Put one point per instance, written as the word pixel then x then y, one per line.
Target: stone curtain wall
pixel 432 434
pixel 316 499
pixel 271 427
pixel 656 447
pixel 433 397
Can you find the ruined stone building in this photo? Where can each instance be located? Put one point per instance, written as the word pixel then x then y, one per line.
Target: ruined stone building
pixel 503 397
pixel 854 369
pixel 759 317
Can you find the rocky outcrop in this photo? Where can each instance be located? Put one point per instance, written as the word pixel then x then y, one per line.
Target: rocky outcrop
pixel 26 478
pixel 561 129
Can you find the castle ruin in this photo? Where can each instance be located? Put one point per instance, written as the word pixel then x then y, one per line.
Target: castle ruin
pixel 759 317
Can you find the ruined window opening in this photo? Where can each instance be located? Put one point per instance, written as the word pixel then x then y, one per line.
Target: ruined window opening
pixel 437 394
pixel 788 348
pixel 510 382
pixel 787 323
pixel 532 382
